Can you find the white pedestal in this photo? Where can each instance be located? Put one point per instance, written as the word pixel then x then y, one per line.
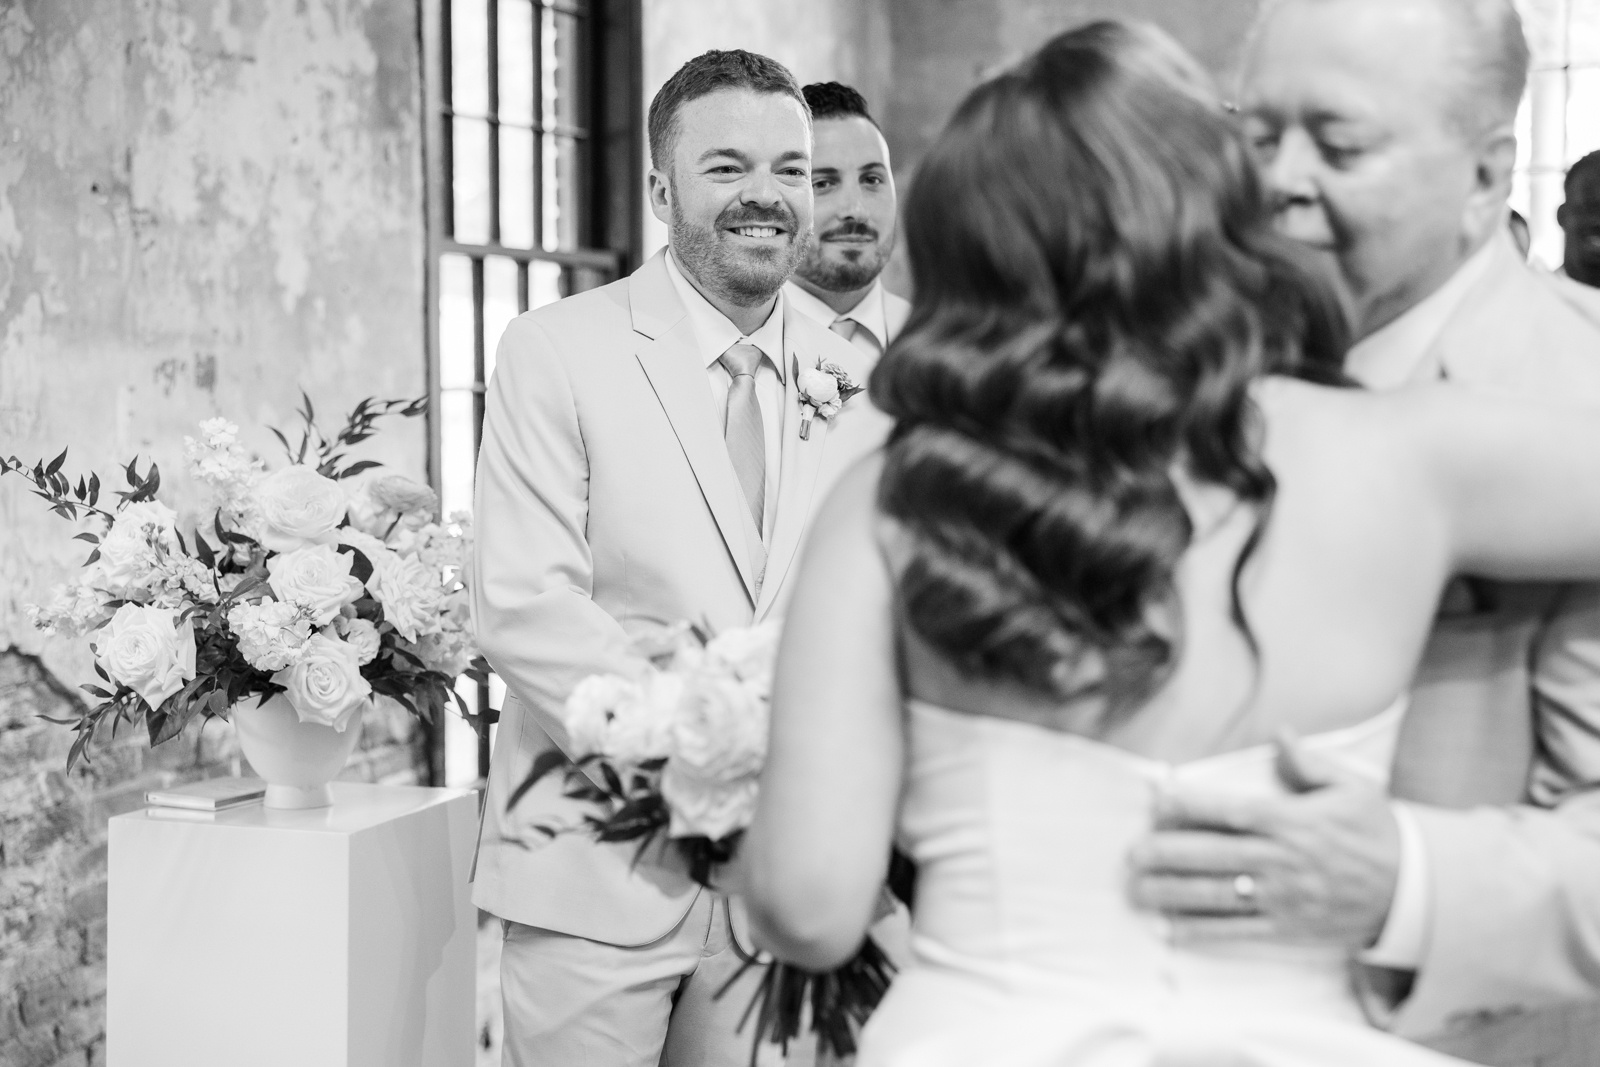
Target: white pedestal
pixel 341 937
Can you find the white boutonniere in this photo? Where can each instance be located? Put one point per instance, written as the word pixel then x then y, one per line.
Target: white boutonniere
pixel 824 389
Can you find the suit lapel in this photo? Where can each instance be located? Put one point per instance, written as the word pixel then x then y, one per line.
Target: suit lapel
pixel 678 377
pixel 804 342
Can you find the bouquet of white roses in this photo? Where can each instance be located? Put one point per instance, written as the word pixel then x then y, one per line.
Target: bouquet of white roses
pixel 676 754
pixel 307 586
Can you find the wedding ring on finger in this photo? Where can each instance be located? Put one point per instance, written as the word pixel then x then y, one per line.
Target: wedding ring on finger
pixel 1245 890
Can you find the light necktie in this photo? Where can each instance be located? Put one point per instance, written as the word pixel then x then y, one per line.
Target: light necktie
pixel 845 328
pixel 856 334
pixel 743 432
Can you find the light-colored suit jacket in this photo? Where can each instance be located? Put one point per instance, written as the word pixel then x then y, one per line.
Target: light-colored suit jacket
pixel 1503 735
pixel 607 505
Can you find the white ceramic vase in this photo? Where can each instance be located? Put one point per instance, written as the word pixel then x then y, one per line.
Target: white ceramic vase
pixel 296 759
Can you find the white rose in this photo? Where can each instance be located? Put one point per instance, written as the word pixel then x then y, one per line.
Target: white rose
pixel 360 635
pixel 128 556
pixel 642 723
pixel 588 710
pixel 412 596
pixel 748 652
pixel 818 386
pixel 271 635
pixel 142 648
pixel 317 579
pixel 720 731
pixel 325 686
pixel 295 507
pixel 707 807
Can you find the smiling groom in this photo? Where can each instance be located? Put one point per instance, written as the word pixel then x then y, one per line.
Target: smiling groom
pixel 643 464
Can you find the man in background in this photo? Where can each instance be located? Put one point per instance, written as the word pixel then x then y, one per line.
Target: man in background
pixel 1579 219
pixel 837 282
pixel 1472 901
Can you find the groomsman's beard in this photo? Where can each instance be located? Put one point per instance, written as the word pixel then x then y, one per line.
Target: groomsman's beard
pixel 858 266
pixel 743 274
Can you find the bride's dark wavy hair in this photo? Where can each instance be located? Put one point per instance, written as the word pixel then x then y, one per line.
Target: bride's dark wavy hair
pixel 1097 285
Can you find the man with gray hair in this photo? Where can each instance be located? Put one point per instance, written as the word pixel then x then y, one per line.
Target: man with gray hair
pixel 1472 900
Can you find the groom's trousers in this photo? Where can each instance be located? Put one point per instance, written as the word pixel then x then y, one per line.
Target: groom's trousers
pixel 570 1002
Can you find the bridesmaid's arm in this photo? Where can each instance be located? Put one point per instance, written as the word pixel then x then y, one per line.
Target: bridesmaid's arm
pixel 811 865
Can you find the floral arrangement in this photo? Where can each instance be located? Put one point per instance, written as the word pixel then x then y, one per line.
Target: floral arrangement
pixel 675 755
pixel 824 390
pixel 304 582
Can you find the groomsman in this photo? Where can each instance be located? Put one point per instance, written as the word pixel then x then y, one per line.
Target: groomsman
pixel 642 465
pixel 837 282
pixel 1386 133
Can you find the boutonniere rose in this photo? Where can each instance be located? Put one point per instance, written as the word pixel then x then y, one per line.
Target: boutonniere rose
pixel 824 389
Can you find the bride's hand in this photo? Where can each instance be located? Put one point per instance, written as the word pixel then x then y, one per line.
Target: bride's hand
pixel 1320 865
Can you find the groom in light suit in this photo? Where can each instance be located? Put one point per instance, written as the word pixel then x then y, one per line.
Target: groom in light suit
pixel 642 465
pixel 1473 901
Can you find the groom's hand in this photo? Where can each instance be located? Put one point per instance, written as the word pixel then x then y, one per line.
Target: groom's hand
pixel 1320 865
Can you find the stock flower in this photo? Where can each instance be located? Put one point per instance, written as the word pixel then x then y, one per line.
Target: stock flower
pixel 220 463
pixel 411 595
pixel 325 685
pixel 295 507
pixel 141 536
pixel 147 650
pixel 74 610
pixel 316 579
pixel 272 635
pixel 360 635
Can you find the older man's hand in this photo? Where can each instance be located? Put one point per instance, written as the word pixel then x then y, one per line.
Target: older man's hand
pixel 1320 865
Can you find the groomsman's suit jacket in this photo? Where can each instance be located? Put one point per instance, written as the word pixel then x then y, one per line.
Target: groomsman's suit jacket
pixel 1504 732
pixel 607 505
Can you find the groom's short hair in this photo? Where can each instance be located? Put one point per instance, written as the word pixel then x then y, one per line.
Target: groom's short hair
pixel 707 74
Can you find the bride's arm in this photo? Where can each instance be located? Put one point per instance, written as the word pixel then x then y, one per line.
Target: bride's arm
pixel 1517 482
pixel 813 861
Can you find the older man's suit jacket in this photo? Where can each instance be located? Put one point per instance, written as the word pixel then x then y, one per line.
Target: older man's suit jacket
pixel 1502 741
pixel 606 506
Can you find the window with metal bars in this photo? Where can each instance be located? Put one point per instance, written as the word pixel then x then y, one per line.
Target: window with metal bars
pixel 534 161
pixel 1559 122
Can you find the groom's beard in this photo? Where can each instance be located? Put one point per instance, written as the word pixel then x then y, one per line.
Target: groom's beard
pixel 745 276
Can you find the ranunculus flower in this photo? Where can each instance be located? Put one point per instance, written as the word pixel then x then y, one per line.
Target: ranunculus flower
pixel 707 807
pixel 272 635
pixel 412 596
pixel 128 556
pixel 720 731
pixel 360 635
pixel 748 652
pixel 296 507
pixel 588 710
pixel 143 649
pixel 818 386
pixel 326 686
pixel 317 579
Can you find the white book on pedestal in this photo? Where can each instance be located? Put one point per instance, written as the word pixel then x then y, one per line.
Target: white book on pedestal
pixel 212 794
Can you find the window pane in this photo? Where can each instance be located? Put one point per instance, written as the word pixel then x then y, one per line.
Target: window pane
pixel 469 45
pixel 1583 42
pixel 516 61
pixel 457 449
pixel 499 305
pixel 456 362
pixel 565 106
pixel 516 187
pixel 470 161
pixel 1583 113
pixel 1544 196
pixel 1545 23
pixel 461 740
pixel 1547 91
pixel 561 191
pixel 544 284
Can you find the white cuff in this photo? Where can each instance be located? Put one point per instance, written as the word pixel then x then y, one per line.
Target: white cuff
pixel 1405 931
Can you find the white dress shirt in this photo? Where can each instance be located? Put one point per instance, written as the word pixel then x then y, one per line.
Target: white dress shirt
pixel 1399 354
pixel 871 335
pixel 714 334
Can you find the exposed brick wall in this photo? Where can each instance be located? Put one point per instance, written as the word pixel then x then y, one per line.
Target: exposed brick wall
pixel 53 849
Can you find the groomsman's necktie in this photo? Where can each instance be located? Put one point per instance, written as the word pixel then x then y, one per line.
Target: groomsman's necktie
pixel 858 335
pixel 743 432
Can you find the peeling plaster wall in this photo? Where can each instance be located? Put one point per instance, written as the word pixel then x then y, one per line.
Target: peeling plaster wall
pixel 205 206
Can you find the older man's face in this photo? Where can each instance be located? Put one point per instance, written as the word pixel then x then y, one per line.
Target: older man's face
pixel 1345 101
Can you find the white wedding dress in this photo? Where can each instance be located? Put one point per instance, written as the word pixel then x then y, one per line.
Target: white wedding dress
pixel 1027 953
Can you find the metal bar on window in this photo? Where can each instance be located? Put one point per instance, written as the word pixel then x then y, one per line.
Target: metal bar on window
pixel 593 258
pixel 493 64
